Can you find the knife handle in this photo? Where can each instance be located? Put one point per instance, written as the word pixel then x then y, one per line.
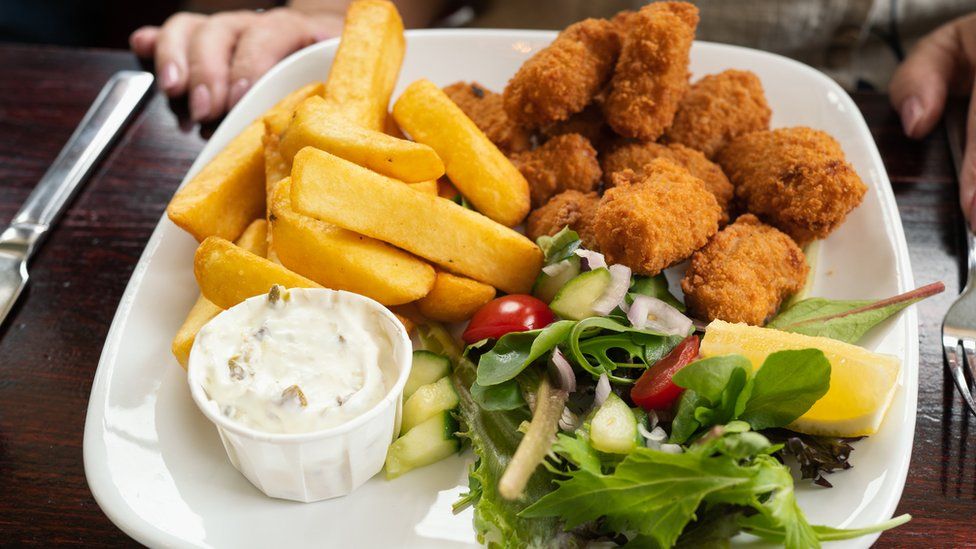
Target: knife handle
pixel 110 111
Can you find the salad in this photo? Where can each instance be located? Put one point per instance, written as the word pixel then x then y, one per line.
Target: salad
pixel 598 412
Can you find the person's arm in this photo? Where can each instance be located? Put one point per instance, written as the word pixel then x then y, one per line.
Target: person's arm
pixel 942 62
pixel 215 59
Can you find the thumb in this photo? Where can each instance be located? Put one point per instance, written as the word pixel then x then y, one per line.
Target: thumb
pixel 918 88
pixel 967 170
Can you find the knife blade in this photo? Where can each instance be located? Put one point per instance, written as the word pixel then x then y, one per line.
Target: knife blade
pixel 105 118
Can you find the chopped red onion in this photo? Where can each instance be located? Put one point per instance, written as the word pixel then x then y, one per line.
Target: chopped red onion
pixel 566 376
pixel 616 291
pixel 671 449
pixel 666 319
pixel 556 268
pixel 602 391
pixel 593 260
pixel 568 421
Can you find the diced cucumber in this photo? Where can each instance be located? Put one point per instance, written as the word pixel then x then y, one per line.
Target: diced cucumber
pixel 427 368
pixel 614 427
pixel 428 401
pixel 547 286
pixel 574 301
pixel 429 442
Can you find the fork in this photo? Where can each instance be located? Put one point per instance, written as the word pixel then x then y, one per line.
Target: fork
pixel 959 325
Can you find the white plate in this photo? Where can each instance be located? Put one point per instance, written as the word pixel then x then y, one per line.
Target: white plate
pixel 155 464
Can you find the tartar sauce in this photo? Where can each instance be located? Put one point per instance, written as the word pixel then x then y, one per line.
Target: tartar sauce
pixel 294 362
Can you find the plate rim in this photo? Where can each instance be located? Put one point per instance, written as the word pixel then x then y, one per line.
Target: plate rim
pixel 121 514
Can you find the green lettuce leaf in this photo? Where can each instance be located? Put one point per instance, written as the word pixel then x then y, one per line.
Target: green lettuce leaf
pixel 786 386
pixel 504 396
pixel 515 351
pixel 654 286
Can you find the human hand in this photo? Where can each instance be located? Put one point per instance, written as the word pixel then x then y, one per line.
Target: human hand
pixel 216 58
pixel 942 62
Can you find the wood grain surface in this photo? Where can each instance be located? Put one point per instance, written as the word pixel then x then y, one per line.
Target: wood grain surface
pixel 50 344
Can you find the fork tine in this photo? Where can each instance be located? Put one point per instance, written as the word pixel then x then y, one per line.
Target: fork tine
pixel 969 348
pixel 951 347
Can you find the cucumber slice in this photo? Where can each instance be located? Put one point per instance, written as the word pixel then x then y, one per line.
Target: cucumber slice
pixel 574 301
pixel 429 442
pixel 427 402
pixel 427 368
pixel 614 427
pixel 547 286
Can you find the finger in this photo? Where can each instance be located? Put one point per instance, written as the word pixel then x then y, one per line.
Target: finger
pixel 918 88
pixel 171 49
pixel 211 48
pixel 262 45
pixel 142 42
pixel 967 172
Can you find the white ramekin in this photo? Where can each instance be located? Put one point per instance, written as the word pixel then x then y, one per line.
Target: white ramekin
pixel 321 464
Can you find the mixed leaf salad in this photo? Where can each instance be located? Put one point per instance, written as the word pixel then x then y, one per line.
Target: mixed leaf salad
pixel 594 417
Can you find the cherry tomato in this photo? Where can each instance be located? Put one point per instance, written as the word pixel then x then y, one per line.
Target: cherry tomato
pixel 655 390
pixel 512 313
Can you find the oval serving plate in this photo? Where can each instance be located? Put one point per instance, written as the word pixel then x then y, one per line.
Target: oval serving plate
pixel 156 467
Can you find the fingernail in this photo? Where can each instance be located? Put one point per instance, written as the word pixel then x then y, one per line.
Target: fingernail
pixel 169 76
pixel 238 90
pixel 199 102
pixel 911 115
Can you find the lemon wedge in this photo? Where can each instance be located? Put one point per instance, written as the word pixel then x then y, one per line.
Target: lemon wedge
pixel 862 383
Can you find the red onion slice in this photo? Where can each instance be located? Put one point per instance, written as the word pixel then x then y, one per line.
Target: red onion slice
pixel 651 312
pixel 564 371
pixel 557 268
pixel 594 260
pixel 602 391
pixel 616 291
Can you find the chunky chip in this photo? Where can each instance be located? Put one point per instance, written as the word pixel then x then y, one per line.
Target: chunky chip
pixel 454 298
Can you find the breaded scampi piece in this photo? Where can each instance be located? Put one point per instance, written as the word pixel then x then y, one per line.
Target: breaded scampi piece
pixel 562 78
pixel 589 123
pixel 795 179
pixel 719 108
pixel 656 221
pixel 484 108
pixel 571 209
pixel 744 273
pixel 636 155
pixel 564 162
pixel 651 75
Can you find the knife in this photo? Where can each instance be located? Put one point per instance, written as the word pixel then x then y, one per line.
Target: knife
pixel 110 111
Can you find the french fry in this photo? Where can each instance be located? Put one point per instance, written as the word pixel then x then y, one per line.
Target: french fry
pixel 337 191
pixel 278 119
pixel 343 260
pixel 477 168
pixel 367 63
pixel 229 192
pixel 275 170
pixel 429 187
pixel 255 240
pixel 228 274
pixel 316 124
pixel 454 298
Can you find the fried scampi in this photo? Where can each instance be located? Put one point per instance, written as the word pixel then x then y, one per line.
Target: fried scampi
pixel 744 273
pixel 795 179
pixel 571 209
pixel 719 108
pixel 564 162
pixel 651 75
pixel 656 220
pixel 484 108
pixel 562 78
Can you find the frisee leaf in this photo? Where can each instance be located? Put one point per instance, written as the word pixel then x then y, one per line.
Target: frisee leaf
pixel 515 351
pixel 846 321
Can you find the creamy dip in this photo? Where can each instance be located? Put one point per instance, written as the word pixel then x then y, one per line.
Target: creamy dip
pixel 294 361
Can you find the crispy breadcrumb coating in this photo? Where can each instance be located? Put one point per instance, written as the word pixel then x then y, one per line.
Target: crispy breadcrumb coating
pixel 651 75
pixel 484 108
pixel 564 162
pixel 657 221
pixel 571 208
pixel 795 179
pixel 562 78
pixel 718 108
pixel 589 123
pixel 744 273
pixel 635 155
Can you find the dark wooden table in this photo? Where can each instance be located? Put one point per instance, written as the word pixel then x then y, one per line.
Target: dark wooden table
pixel 50 344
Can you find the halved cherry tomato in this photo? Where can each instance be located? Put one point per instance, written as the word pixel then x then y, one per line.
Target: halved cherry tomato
pixel 511 313
pixel 654 389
